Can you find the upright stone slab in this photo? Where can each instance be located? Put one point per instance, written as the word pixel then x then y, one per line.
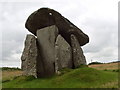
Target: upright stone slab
pixel 63 55
pixel 46 39
pixel 29 56
pixel 77 52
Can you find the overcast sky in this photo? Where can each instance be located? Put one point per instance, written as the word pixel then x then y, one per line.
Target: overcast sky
pixel 97 18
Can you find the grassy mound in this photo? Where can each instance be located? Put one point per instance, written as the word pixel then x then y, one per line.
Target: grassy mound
pixel 84 77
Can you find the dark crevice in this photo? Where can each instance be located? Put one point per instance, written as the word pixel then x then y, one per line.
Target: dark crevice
pixel 40 63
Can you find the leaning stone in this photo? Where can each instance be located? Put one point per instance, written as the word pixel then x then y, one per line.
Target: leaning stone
pixel 63 55
pixel 78 56
pixel 46 40
pixel 29 56
pixel 45 17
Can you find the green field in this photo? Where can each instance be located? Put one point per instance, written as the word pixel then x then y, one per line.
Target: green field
pixel 84 77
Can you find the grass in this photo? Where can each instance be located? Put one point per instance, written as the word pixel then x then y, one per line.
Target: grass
pixel 9 68
pixel 9 73
pixel 83 77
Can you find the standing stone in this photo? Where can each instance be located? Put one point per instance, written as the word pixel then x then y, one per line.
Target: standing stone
pixel 63 55
pixel 78 57
pixel 29 56
pixel 46 40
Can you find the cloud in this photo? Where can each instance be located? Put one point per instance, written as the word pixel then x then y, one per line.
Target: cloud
pixel 98 19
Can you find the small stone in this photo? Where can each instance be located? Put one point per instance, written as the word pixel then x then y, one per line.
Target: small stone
pixel 58 73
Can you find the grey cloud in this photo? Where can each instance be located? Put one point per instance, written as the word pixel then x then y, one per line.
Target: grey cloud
pixel 12 20
pixel 103 34
pixel 102 31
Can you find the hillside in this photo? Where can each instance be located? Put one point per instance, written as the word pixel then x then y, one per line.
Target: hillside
pixel 84 77
pixel 106 66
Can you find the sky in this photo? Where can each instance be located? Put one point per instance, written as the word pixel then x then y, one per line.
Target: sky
pixel 97 18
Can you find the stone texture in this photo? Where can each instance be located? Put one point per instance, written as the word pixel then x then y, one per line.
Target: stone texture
pixel 29 56
pixel 57 62
pixel 40 67
pixel 63 54
pixel 57 45
pixel 77 52
pixel 46 40
pixel 45 17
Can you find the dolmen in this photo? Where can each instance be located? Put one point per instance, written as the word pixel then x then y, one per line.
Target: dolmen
pixel 55 44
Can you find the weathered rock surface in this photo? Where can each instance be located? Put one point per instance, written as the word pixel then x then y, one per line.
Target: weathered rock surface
pixel 40 65
pixel 63 54
pixel 45 17
pixel 77 52
pixel 56 44
pixel 46 40
pixel 29 56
